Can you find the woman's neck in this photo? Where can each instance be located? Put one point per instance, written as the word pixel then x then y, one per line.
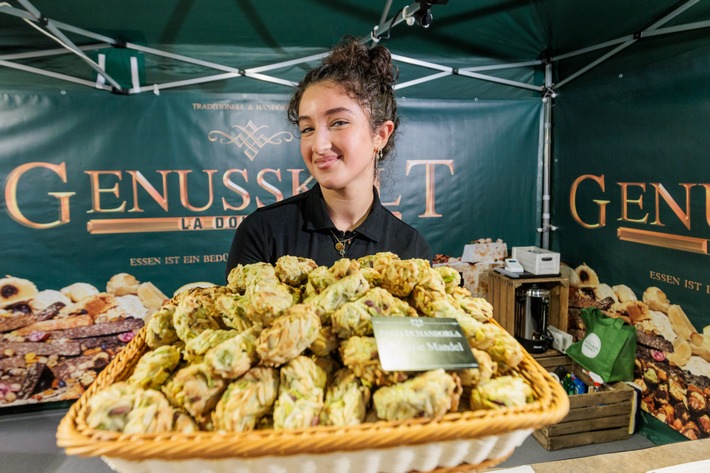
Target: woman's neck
pixel 348 211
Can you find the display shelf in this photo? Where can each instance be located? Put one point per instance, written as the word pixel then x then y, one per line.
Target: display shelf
pixel 501 294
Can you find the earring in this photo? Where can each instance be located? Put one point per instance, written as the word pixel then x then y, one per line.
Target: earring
pixel 378 155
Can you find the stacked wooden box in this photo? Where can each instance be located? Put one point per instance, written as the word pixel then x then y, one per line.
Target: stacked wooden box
pixel 595 417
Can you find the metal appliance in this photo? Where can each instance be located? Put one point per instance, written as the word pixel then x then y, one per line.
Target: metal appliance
pixel 532 312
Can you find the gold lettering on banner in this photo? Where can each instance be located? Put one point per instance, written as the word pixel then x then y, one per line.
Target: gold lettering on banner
pixel 430 189
pixel 601 221
pixel 218 106
pixel 625 201
pixel 394 203
pixel 185 195
pixel 629 198
pixel 229 184
pixel 160 199
pixel 662 277
pixel 684 217
pixel 111 193
pixel 13 207
pixel 96 191
pixel 172 260
pixel 298 187
pixel 163 224
pixel 250 138
pixel 268 187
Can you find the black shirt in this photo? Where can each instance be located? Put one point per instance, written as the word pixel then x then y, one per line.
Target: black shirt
pixel 300 226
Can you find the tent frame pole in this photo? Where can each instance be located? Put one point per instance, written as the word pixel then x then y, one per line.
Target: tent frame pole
pixel 547 100
pixel 57 35
pixel 633 39
pixel 54 75
pixel 447 70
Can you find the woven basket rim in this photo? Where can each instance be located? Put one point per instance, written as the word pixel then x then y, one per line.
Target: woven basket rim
pixel 77 438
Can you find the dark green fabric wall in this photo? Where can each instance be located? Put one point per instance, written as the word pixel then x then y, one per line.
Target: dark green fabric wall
pixel 639 121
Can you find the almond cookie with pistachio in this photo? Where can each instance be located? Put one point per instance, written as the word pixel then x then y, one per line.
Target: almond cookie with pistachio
pixel 346 400
pixel 430 394
pixel 301 394
pixel 289 335
pixel 246 400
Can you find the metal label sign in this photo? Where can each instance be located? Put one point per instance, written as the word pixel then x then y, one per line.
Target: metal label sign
pixel 421 344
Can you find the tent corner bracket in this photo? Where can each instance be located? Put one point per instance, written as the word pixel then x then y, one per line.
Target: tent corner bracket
pixel 120 90
pixel 547 228
pixel 373 35
pixel 548 92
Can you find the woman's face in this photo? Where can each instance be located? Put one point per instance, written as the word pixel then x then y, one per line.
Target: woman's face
pixel 337 144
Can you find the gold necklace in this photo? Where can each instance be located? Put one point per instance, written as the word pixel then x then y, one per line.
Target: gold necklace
pixel 341 246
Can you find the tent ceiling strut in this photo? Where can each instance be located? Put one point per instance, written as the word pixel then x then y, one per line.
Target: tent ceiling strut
pixel 56 34
pixel 410 14
pixel 626 42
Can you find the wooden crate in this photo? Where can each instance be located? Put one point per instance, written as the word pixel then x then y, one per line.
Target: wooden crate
pixel 597 417
pixel 552 359
pixel 501 295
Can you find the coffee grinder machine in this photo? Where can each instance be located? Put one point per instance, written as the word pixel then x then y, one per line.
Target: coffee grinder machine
pixel 532 313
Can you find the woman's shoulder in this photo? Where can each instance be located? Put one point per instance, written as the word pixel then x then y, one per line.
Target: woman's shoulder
pixel 292 203
pixel 285 212
pixel 409 241
pixel 278 205
pixel 389 218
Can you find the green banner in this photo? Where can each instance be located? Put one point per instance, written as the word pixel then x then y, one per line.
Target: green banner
pixel 97 184
pixel 633 205
pixel 633 194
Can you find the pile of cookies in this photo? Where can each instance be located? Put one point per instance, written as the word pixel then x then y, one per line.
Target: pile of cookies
pixel 672 356
pixel 53 343
pixel 292 345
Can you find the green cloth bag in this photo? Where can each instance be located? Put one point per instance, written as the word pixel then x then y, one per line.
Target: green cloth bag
pixel 608 347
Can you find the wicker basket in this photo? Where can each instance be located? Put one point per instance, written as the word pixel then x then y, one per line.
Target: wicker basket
pixel 462 441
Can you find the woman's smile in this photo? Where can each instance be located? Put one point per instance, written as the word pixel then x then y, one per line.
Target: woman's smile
pixel 325 162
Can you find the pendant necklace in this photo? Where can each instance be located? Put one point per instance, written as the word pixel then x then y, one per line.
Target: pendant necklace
pixel 341 246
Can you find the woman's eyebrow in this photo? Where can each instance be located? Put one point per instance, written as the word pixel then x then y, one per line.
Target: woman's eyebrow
pixel 338 110
pixel 328 112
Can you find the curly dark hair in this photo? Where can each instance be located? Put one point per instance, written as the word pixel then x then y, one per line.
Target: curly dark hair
pixel 367 75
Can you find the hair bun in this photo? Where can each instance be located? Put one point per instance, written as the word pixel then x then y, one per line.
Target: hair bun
pixel 373 62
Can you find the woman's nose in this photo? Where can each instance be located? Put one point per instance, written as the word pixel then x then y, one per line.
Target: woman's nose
pixel 321 141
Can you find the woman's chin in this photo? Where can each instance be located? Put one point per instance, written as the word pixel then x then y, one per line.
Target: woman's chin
pixel 330 184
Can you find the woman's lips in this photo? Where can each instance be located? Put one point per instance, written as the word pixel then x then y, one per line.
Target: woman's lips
pixel 324 162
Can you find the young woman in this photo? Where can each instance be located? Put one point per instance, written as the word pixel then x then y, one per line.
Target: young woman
pixel 346 112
